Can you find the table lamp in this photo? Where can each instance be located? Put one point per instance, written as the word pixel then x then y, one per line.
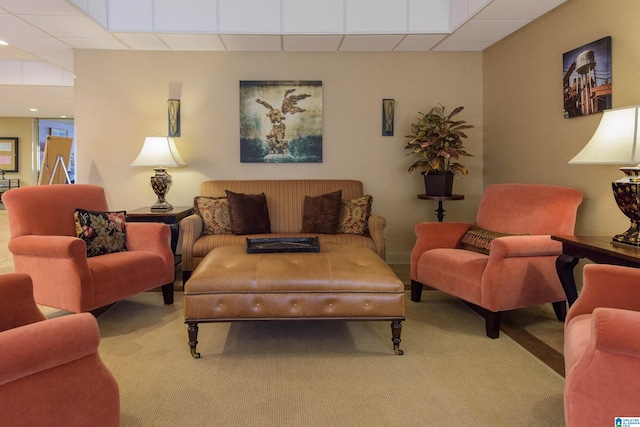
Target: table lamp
pixel 160 152
pixel 615 142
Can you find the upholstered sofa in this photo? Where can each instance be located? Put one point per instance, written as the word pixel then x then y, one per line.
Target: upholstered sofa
pixel 51 373
pixel 286 206
pixel 602 348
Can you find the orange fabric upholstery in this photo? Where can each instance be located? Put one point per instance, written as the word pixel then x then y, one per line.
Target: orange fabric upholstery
pixel 50 370
pixel 285 200
pixel 44 245
pixel 519 271
pixel 602 347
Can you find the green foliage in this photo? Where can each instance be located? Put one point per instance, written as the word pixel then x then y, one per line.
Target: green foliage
pixel 437 139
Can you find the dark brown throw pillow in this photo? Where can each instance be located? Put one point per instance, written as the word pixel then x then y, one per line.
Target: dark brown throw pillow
pixel 249 213
pixel 321 213
pixel 478 239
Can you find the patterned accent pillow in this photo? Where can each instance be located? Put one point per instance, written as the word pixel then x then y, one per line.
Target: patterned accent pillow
pixel 103 232
pixel 354 216
pixel 478 239
pixel 320 213
pixel 215 213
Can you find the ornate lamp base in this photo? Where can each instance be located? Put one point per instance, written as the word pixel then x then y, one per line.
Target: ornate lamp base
pixel 625 191
pixel 161 182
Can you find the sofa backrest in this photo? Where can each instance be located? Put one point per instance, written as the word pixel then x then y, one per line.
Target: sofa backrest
pixel 529 208
pixel 48 209
pixel 285 198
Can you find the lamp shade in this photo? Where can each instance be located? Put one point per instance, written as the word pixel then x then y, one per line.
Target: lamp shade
pixel 615 139
pixel 159 151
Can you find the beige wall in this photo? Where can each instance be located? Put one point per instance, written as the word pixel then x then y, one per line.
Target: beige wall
pixel 121 97
pixel 22 128
pixel 526 138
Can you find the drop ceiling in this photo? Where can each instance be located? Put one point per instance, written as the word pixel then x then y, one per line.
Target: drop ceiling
pixel 36 67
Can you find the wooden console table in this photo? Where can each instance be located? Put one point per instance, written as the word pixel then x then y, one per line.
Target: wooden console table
pixel 440 211
pixel 599 249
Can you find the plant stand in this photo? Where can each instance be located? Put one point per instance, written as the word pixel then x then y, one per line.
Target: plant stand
pixel 440 211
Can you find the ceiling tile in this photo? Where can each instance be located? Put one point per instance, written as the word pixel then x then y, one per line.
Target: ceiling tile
pixel 11 26
pixel 209 42
pixel 429 16
pixel 419 42
pixel 376 16
pixel 253 43
pixel 40 7
pixel 179 16
pixel 36 45
pixel 313 16
pixel 130 15
pixel 142 41
pixel 447 46
pixel 481 30
pixel 67 26
pixel 94 43
pixel 370 43
pixel 249 16
pixel 509 9
pixel 312 43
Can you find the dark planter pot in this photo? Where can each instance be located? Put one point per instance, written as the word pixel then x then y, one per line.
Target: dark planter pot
pixel 438 183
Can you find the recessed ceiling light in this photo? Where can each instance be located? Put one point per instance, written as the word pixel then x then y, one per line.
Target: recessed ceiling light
pixel 33 109
pixel 3 43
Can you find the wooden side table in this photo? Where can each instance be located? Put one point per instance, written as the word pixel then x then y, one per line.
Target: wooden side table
pixel 172 218
pixel 440 211
pixel 599 249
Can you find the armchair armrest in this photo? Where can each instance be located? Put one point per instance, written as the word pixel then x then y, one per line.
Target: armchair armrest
pixel 613 329
pixel 432 235
pixel 17 305
pixel 151 236
pixel 48 247
pixel 525 246
pixel 607 286
pixel 191 230
pixel 39 346
pixel 376 226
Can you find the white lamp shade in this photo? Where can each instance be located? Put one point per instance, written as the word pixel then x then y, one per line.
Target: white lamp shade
pixel 159 151
pixel 614 141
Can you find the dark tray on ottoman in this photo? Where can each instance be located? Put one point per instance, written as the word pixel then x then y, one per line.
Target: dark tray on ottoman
pixel 282 244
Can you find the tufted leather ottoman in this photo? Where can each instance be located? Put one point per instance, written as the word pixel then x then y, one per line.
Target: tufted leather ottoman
pixel 341 282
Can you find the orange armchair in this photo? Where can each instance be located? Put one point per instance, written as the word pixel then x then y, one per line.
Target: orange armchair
pixel 519 270
pixel 50 370
pixel 602 347
pixel 44 245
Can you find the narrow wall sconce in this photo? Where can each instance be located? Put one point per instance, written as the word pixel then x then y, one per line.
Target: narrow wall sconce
pixel 388 106
pixel 174 117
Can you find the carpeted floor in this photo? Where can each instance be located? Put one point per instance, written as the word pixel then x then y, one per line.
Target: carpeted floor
pixel 330 373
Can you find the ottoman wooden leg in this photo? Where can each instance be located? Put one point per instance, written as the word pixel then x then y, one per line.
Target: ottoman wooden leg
pixel 193 338
pixel 396 330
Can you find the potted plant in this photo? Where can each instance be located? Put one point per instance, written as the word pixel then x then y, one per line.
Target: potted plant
pixel 437 139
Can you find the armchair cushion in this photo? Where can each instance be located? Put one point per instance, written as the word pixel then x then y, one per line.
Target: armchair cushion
pixel 215 213
pixel 320 213
pixel 249 213
pixel 354 216
pixel 103 232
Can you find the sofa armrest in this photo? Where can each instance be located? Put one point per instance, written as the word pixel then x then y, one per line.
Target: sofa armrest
pixel 191 231
pixel 17 305
pixel 525 246
pixel 33 348
pixel 607 286
pixel 376 226
pixel 432 235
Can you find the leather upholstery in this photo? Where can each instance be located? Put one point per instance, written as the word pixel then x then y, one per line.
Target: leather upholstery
pixel 342 281
pixel 285 200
